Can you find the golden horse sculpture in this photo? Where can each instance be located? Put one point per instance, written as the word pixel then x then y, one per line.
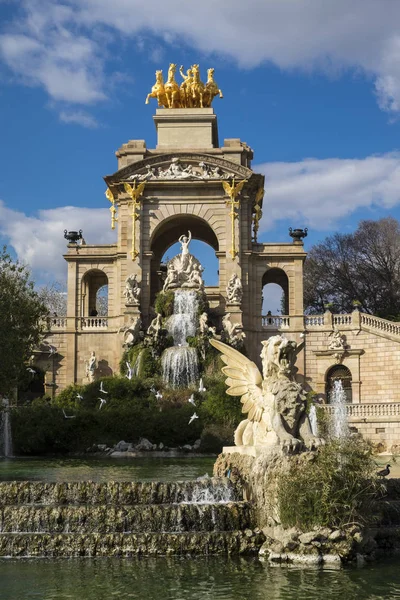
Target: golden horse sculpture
pixel 192 93
pixel 158 91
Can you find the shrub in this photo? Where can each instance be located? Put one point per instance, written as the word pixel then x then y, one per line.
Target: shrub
pixel 164 303
pixel 334 489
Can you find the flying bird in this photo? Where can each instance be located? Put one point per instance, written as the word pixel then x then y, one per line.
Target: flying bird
pixel 129 371
pixel 31 371
pixel 79 397
pixel 102 390
pixel 201 386
pixel 191 400
pixel 193 417
pixel 158 395
pixel 52 349
pixel 102 401
pixel 68 416
pixel 385 472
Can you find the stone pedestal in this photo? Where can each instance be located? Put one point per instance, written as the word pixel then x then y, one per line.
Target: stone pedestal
pixel 236 313
pixel 180 128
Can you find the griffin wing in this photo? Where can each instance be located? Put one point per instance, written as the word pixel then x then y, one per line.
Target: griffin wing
pixel 243 379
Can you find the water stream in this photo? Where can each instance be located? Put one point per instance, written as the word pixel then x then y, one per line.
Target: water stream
pixel 339 423
pixel 180 362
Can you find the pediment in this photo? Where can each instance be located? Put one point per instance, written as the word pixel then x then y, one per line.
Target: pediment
pixel 180 167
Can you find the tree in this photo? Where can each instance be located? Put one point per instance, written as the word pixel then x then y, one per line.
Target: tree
pixel 54 297
pixel 361 268
pixel 21 321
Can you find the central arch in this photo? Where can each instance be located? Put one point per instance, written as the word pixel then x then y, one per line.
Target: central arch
pixel 167 234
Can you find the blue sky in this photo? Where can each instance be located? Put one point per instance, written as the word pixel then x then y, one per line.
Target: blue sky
pixel 313 87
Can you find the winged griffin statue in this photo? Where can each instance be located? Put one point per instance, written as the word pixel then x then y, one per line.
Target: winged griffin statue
pixel 274 401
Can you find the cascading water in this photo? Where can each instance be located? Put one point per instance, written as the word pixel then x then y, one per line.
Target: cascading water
pixel 339 424
pixel 5 431
pixel 180 363
pixel 313 420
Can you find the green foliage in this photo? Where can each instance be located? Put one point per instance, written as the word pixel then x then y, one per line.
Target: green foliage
pixel 334 489
pixel 21 316
pixel 218 407
pixel 164 303
pixel 214 437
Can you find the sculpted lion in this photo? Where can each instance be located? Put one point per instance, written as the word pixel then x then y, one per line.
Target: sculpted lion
pixel 274 402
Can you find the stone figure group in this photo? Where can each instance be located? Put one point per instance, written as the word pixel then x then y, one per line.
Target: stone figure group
pixel 179 170
pixel 191 93
pixel 184 270
pixel 232 333
pixel 234 290
pixel 132 290
pixel 131 332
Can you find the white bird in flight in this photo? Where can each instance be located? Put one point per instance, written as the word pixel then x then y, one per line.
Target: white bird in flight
pixel 102 401
pixel 158 395
pixel 68 416
pixel 193 417
pixel 79 397
pixel 129 371
pixel 52 349
pixel 201 386
pixel 31 371
pixel 102 390
pixel 191 400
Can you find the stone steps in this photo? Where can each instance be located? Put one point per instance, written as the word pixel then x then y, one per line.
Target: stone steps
pixel 125 519
pixel 129 544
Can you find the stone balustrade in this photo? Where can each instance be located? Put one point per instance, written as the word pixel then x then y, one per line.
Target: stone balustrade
pixel 94 323
pixel 373 322
pixel 56 323
pixel 276 321
pixel 368 410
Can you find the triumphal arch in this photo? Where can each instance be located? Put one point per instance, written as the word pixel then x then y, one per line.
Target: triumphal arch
pixel 190 182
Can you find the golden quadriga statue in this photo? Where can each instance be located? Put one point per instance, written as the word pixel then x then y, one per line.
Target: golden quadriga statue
pixel 192 93
pixel 274 402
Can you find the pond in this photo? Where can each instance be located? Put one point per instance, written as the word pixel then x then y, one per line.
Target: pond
pixel 208 578
pixel 105 469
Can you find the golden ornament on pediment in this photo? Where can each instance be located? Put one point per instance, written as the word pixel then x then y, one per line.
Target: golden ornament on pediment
pixel 232 191
pixel 191 93
pixel 113 210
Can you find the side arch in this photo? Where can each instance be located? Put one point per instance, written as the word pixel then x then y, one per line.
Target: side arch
pixel 91 282
pixel 339 373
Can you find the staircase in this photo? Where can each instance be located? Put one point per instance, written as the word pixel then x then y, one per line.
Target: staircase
pixel 124 519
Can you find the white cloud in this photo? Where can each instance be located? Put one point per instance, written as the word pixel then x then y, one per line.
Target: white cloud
pixel 63 46
pixel 39 240
pixel 78 117
pixel 321 192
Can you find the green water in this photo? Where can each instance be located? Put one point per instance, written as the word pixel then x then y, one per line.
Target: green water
pixel 105 469
pixel 209 578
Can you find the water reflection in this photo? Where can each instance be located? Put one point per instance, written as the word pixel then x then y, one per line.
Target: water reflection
pixel 105 469
pixel 213 578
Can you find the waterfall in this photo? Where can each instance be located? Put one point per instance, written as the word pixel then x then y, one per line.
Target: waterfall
pixel 5 430
pixel 179 363
pixel 313 420
pixel 339 423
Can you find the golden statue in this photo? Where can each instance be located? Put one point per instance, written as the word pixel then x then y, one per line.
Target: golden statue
pixel 158 91
pixel 211 89
pixel 186 88
pixel 113 210
pixel 192 93
pixel 172 88
pixel 232 191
